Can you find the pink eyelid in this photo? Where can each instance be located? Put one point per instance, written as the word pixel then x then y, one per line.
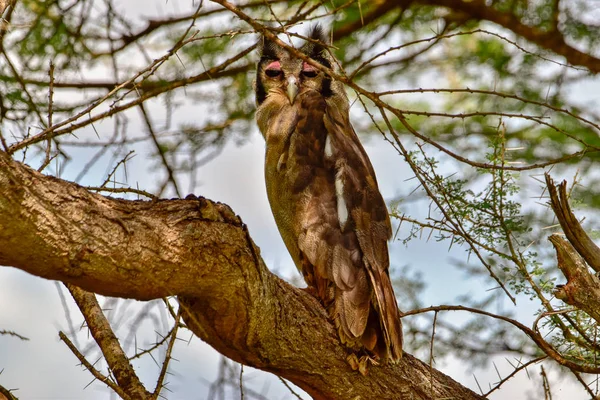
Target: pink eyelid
pixel 307 67
pixel 274 65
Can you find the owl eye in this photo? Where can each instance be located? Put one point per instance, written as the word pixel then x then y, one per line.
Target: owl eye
pixel 309 73
pixel 308 70
pixel 273 73
pixel 273 70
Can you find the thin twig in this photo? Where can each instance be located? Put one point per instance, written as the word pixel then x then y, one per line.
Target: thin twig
pixel 536 337
pixel 108 382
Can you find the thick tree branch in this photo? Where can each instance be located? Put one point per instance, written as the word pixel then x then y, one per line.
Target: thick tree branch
pixel 6 394
pixel 199 250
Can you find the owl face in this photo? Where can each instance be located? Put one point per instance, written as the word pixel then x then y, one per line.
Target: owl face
pixel 282 73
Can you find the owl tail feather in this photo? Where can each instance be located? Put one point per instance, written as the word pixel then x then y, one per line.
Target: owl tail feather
pixel 390 327
pixel 379 330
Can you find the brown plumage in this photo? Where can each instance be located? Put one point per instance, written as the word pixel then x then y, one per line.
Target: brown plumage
pixel 324 196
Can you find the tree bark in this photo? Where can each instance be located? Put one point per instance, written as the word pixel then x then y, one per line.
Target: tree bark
pixel 200 251
pixel 574 256
pixel 582 289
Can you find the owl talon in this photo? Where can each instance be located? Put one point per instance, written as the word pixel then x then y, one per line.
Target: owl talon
pixel 353 361
pixel 361 364
pixel 373 360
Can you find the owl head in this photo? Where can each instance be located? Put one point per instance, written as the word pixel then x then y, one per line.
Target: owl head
pixel 280 72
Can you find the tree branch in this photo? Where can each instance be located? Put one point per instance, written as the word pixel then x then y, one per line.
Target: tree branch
pixel 109 345
pixel 552 40
pixel 582 289
pixel 559 200
pixel 202 252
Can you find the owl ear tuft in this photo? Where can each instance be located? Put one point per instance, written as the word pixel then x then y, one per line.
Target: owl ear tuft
pixel 318 51
pixel 318 33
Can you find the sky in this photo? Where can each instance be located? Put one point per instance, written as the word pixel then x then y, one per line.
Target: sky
pixel 44 368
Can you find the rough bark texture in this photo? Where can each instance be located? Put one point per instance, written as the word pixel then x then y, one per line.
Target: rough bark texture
pixel 575 256
pixel 559 200
pixel 200 251
pixel 582 289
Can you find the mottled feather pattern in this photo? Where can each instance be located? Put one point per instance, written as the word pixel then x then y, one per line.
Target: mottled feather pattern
pixel 325 200
pixel 333 251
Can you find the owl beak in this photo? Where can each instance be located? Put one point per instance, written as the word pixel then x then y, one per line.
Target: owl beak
pixel 292 88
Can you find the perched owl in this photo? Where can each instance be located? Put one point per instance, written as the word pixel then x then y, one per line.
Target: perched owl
pixel 324 196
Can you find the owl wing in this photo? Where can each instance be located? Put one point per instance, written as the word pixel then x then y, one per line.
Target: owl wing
pixel 370 220
pixel 348 245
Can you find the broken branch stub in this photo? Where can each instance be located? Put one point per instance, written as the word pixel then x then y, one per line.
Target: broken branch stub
pixel 575 256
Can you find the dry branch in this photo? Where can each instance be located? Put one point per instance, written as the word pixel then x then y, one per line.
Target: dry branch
pixel 551 39
pixel 582 289
pixel 103 334
pixel 201 251
pixel 571 226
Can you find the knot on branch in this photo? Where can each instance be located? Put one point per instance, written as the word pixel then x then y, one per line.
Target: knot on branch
pixel 215 211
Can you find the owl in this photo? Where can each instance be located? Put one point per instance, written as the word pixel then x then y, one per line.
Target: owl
pixel 325 199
